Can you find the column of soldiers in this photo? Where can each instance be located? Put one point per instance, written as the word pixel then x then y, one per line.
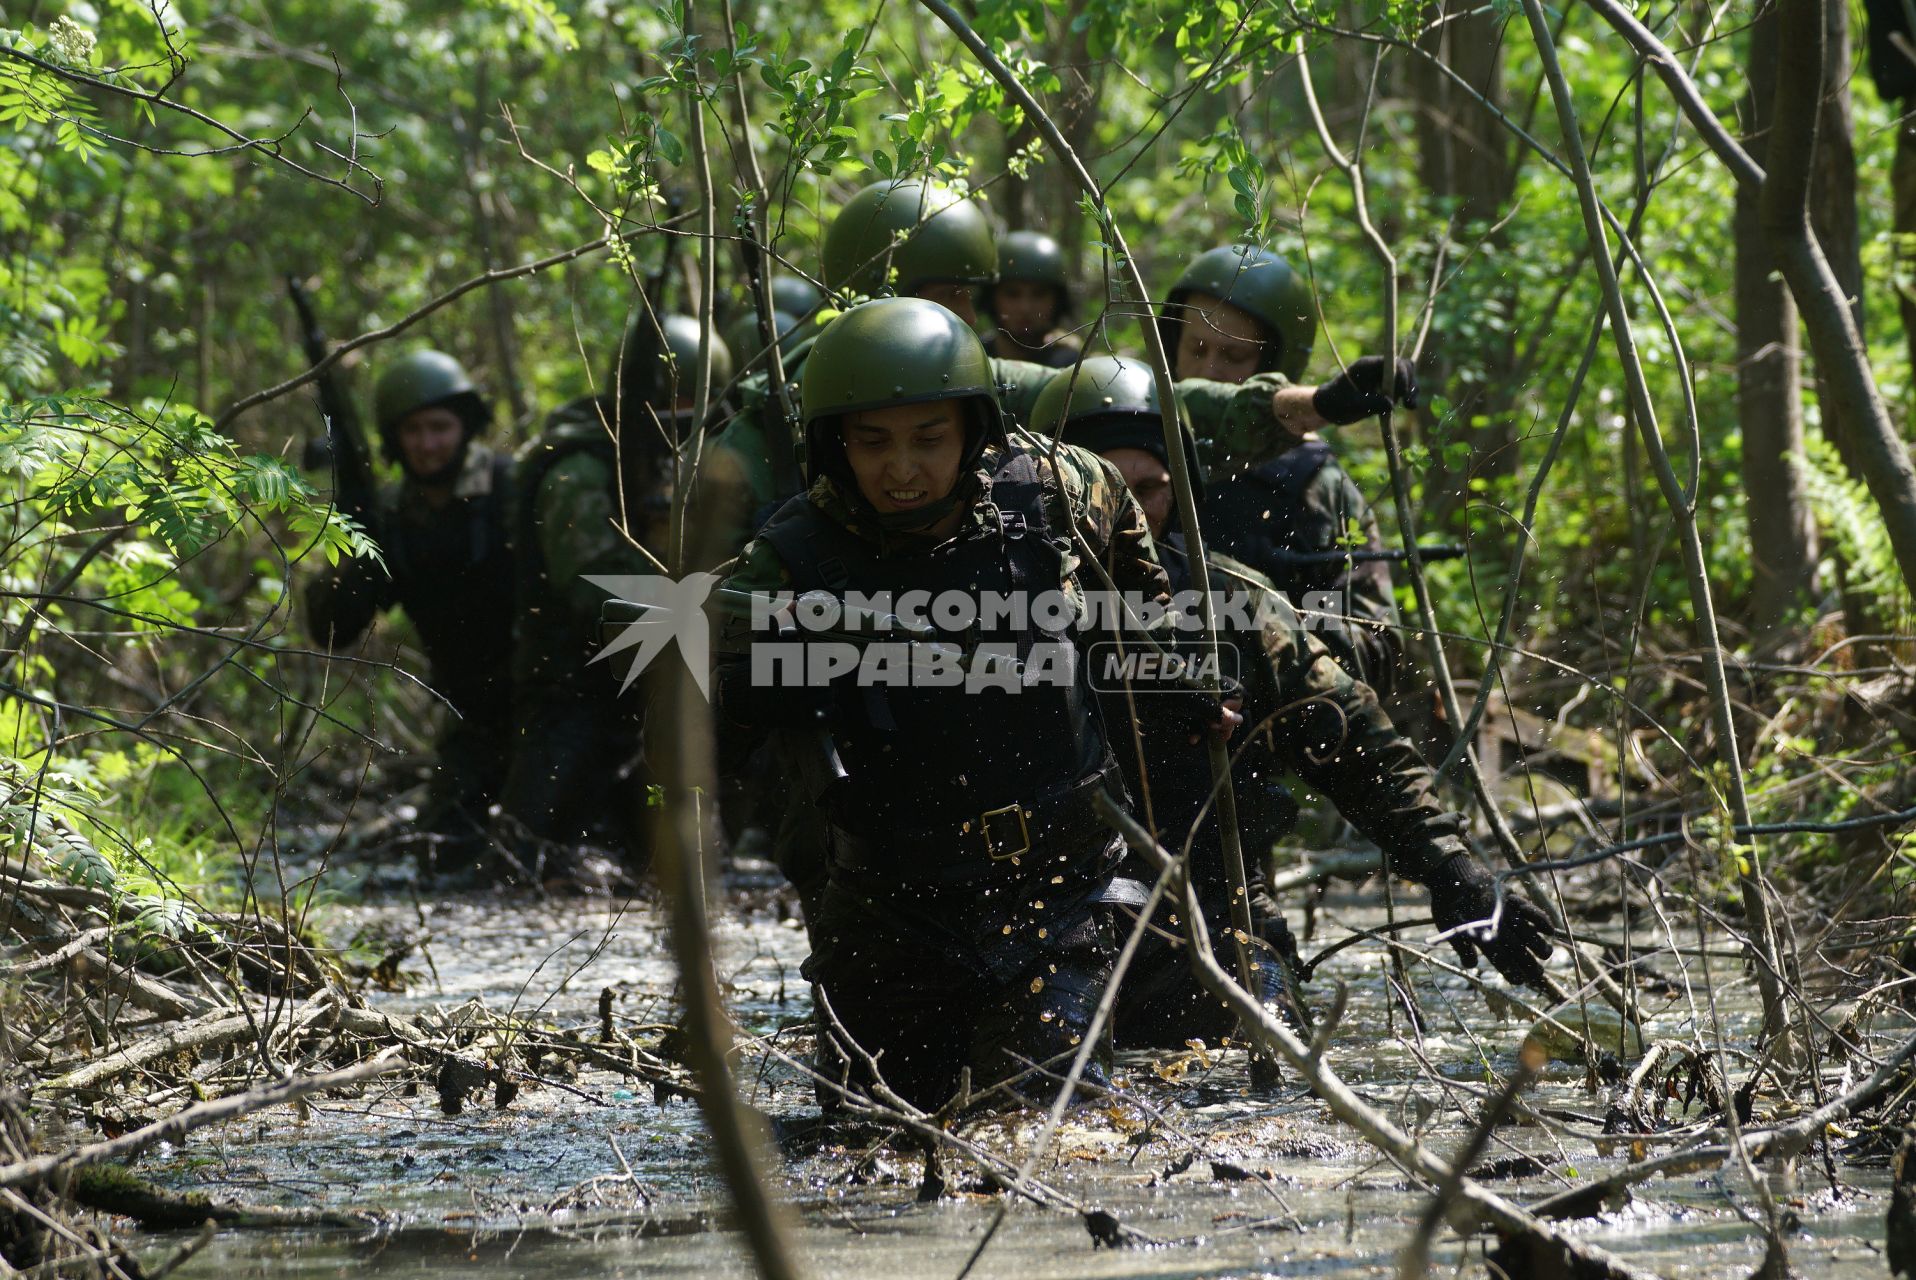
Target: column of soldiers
pixel 963 899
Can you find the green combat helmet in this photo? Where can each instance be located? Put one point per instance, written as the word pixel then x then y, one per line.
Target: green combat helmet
pixel 1108 402
pixel 1261 284
pixel 743 335
pixel 795 295
pixel 662 376
pixel 1036 257
pixel 914 230
pixel 896 351
pixel 421 380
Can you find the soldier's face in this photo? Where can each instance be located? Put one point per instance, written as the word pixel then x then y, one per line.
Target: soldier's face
pixel 1149 482
pixel 429 440
pixel 1026 309
pixel 955 298
pixel 906 456
pixel 1217 341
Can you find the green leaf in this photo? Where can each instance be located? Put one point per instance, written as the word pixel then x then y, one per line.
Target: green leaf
pixel 670 149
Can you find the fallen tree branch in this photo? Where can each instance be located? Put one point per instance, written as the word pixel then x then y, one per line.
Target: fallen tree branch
pixel 113 1189
pixel 1786 1139
pixel 1472 1202
pixel 177 1126
pixel 496 276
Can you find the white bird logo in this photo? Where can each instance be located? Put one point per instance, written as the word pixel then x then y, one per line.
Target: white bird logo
pixel 675 610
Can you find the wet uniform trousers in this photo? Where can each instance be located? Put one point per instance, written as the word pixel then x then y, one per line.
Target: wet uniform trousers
pixel 931 953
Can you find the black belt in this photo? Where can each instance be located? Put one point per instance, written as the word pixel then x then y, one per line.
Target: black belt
pixel 1061 823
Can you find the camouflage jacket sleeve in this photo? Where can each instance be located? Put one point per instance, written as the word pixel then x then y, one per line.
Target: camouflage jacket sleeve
pixel 1328 729
pixel 1109 521
pixel 1237 421
pixel 576 520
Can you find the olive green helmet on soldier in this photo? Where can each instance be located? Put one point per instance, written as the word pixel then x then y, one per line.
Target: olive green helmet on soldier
pixel 897 236
pixel 795 295
pixel 888 352
pixel 1109 402
pixel 649 371
pixel 1035 257
pixel 1259 283
pixel 422 380
pixel 743 335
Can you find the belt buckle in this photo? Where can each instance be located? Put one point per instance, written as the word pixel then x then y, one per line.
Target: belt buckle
pixel 991 845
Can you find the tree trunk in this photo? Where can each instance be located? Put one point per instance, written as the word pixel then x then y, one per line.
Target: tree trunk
pixel 1833 207
pixel 1464 162
pixel 1769 381
pixel 492 252
pixel 1881 456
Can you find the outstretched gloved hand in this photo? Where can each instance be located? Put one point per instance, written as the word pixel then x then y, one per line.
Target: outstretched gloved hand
pixel 1463 892
pixel 1358 392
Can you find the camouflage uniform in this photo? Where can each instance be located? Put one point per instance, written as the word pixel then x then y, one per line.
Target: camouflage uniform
pixel 450 568
pixel 575 760
pixel 1274 493
pixel 945 960
pixel 1304 715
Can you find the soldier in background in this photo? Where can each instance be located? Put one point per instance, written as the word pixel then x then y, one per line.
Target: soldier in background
pixel 1241 315
pixel 1305 716
pixel 443 532
pixel 594 498
pixel 1031 302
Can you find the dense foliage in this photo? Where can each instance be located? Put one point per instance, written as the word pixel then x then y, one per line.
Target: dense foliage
pixel 166 166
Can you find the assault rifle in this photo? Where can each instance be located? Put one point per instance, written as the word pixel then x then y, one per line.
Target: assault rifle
pixel 1393 555
pixel 345 449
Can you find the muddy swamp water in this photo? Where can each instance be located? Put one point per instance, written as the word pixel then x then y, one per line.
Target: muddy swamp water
pixel 572 1145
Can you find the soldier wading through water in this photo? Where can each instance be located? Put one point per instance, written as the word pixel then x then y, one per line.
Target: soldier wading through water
pixel 1305 716
pixel 443 533
pixel 964 921
pixel 1240 314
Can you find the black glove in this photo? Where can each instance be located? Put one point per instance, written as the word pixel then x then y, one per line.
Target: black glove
pixel 1358 392
pixel 1462 892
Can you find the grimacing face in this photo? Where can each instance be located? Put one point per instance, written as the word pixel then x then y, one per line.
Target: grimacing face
pixel 1149 482
pixel 429 439
pixel 1026 308
pixel 905 456
pixel 953 297
pixel 1217 340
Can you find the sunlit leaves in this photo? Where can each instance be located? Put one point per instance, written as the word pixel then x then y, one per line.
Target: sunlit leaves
pixel 541 22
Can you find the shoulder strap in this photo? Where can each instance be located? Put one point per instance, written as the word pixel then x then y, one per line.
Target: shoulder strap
pixel 492 528
pixel 1019 488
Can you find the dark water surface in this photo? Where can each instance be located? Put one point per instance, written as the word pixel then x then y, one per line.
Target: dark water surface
pixel 537 1192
